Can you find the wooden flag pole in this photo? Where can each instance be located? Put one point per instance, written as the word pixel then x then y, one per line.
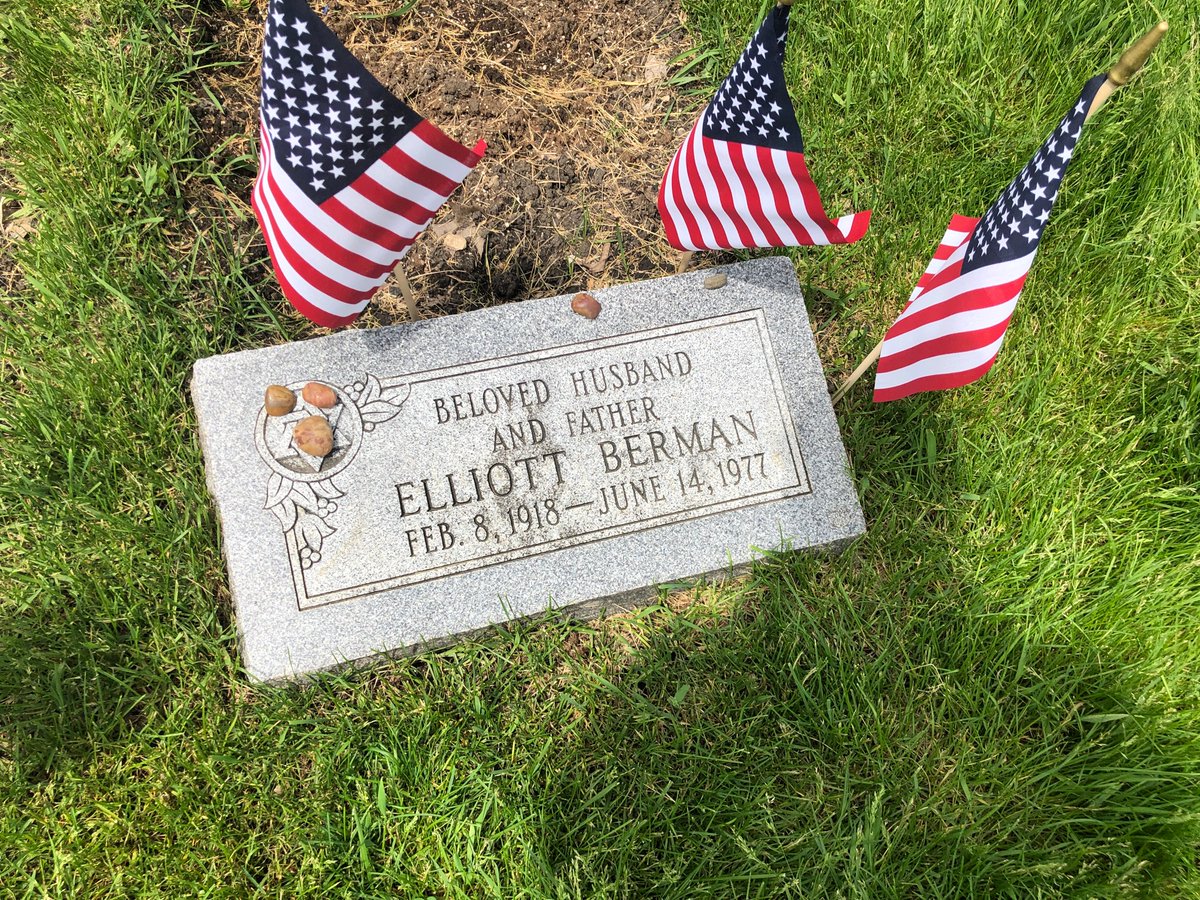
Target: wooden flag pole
pixel 410 302
pixel 684 259
pixel 859 372
pixel 1126 67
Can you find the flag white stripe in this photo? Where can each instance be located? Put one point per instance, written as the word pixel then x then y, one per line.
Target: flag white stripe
pixel 729 174
pixel 730 217
pixel 673 210
pixel 671 199
pixel 704 168
pixel 686 163
pixel 942 364
pixel 725 216
pixel 314 257
pixel 996 274
pixel 951 238
pixel 425 154
pixel 795 193
pixel 402 186
pixel 766 195
pixel 954 239
pixel 300 285
pixel 956 323
pixel 379 216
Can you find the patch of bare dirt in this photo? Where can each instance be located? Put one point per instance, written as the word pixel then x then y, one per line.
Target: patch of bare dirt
pixel 575 105
pixel 16 226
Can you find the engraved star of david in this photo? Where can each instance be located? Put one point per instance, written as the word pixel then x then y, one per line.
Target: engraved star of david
pixel 280 430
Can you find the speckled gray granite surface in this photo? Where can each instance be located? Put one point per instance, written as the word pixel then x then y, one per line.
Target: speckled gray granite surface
pixel 490 465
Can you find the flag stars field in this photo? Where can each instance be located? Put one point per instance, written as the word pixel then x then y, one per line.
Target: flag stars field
pixel 326 105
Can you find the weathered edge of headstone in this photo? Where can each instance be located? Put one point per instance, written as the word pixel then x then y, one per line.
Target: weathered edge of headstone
pixel 280 641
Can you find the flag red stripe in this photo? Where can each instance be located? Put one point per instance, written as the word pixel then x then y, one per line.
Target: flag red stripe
pixel 689 221
pixel 955 342
pixel 664 211
pixel 943 276
pixel 969 301
pixel 962 223
pixel 700 192
pixel 306 270
pixel 390 201
pixel 296 297
pixel 718 194
pixel 318 238
pixel 955 320
pixel 373 254
pixel 812 200
pixel 364 228
pixel 810 234
pixel 725 197
pixel 414 170
pixel 783 203
pixel 859 223
pixel 738 213
pixel 443 143
pixel 310 312
pixel 294 281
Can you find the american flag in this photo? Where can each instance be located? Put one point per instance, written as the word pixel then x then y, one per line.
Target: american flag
pixel 348 174
pixel 739 178
pixel 952 328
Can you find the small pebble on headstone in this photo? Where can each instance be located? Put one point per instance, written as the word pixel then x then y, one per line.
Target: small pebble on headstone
pixel 320 395
pixel 314 436
pixel 717 280
pixel 279 401
pixel 586 305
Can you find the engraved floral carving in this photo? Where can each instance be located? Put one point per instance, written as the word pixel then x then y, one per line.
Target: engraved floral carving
pixel 301 493
pixel 303 507
pixel 376 403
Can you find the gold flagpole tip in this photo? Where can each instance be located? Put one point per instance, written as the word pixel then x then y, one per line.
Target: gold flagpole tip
pixel 1135 57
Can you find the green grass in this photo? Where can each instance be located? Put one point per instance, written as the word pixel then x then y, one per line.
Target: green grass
pixel 994 693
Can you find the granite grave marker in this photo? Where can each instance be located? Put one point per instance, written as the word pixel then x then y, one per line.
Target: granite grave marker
pixel 489 465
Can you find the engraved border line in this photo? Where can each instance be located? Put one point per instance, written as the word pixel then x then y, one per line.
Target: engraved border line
pixel 752 315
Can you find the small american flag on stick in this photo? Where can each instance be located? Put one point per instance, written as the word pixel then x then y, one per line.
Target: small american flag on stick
pixel 739 178
pixel 348 175
pixel 951 330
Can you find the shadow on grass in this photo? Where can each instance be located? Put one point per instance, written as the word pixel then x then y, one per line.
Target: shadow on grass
pixel 832 739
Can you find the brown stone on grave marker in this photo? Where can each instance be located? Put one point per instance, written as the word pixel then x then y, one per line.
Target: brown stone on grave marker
pixel 279 401
pixel 586 305
pixel 319 395
pixel 313 435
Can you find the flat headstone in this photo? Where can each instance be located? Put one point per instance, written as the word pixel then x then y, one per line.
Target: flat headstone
pixel 490 465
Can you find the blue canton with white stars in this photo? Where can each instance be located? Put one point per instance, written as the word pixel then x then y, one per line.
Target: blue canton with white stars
pixel 752 106
pixel 328 118
pixel 1013 224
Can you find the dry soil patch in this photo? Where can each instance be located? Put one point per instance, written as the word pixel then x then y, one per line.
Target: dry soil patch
pixel 576 106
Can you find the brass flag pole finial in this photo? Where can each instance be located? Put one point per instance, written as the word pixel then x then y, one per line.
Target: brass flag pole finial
pixel 1128 65
pixel 1137 54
